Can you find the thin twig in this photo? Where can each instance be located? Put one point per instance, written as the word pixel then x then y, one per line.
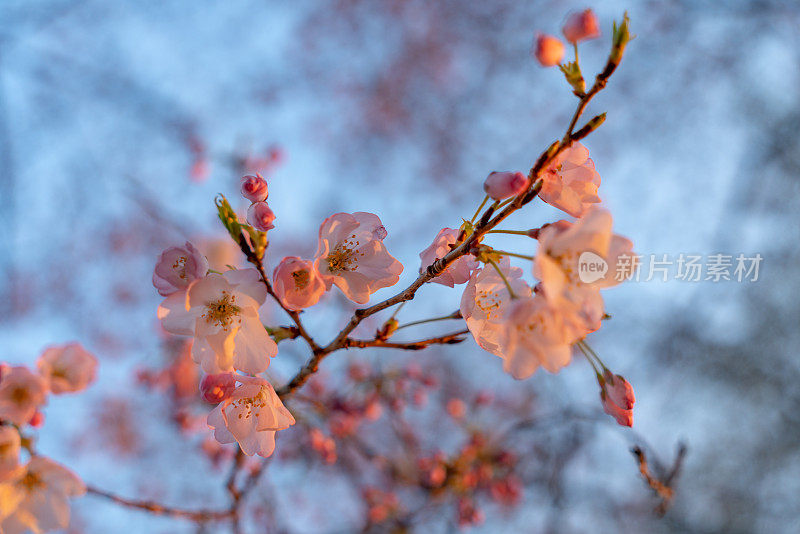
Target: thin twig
pixel 448 339
pixel 200 516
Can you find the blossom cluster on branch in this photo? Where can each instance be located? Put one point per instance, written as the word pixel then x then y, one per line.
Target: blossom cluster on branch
pixel 531 317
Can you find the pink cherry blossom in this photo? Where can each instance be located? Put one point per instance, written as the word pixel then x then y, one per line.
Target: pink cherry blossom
pixel 617 397
pixel 501 185
pixel 297 283
pixel 9 452
pixel 221 313
pixel 562 263
pixel 536 334
pixel 254 188
pixel 457 272
pixel 351 255
pixel 216 388
pixel 260 216
pixel 21 393
pixel 485 300
pixel 38 501
pixel 177 267
pixel 251 416
pixel 67 368
pixel 581 26
pixel 570 183
pixel 548 50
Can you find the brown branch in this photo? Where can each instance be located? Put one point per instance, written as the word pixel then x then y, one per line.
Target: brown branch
pixel 448 339
pixel 662 488
pixel 200 516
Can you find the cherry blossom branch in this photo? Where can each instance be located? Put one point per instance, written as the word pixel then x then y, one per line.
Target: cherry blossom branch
pixel 455 315
pixel 200 516
pixel 447 339
pixel 662 488
pixel 469 241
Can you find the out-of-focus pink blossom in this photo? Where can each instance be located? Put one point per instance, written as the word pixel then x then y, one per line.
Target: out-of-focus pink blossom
pixel 38 501
pixel 177 267
pixel 254 188
pixel 570 182
pixel 21 394
pixel 485 300
pixel 260 216
pixel 548 50
pixel 221 312
pixel 536 334
pixel 617 397
pixel 297 283
pixel 501 185
pixel 457 272
pixel 9 453
pixel 218 387
pixel 581 26
pixel 468 513
pixel 456 408
pixel 251 416
pixel 323 445
pixel 351 255
pixel 67 368
pixel 575 261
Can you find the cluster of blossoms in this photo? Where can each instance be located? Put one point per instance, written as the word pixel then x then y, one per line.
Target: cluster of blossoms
pixel 34 495
pixel 220 311
pixel 537 327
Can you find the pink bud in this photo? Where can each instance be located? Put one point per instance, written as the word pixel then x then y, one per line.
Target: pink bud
pixel 501 185
pixel 456 408
pixel 548 50
pixel 37 420
pixel 260 216
pixel 217 388
pixel 581 26
pixel 616 394
pixel 254 188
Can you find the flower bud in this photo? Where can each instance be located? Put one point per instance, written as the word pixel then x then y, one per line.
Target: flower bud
pixel 217 388
pixel 177 267
pixel 548 50
pixel 501 185
pixel 254 188
pixel 617 397
pixel 581 26
pixel 37 420
pixel 260 216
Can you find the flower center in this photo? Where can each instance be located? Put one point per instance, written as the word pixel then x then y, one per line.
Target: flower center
pixel 345 256
pixel 223 311
pixel 250 405
pixel 301 278
pixel 180 267
pixel 489 302
pixel 31 481
pixel 19 395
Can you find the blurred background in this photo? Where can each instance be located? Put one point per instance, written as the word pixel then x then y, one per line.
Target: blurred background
pixel 120 122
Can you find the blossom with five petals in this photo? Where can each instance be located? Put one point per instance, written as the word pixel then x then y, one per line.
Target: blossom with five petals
pixel 221 312
pixel 485 300
pixel 67 368
pixel 570 182
pixel 37 501
pixel 251 416
pixel 536 334
pixel 351 255
pixel 457 272
pixel 566 251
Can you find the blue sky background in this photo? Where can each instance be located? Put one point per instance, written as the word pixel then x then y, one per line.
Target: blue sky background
pixel 402 108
